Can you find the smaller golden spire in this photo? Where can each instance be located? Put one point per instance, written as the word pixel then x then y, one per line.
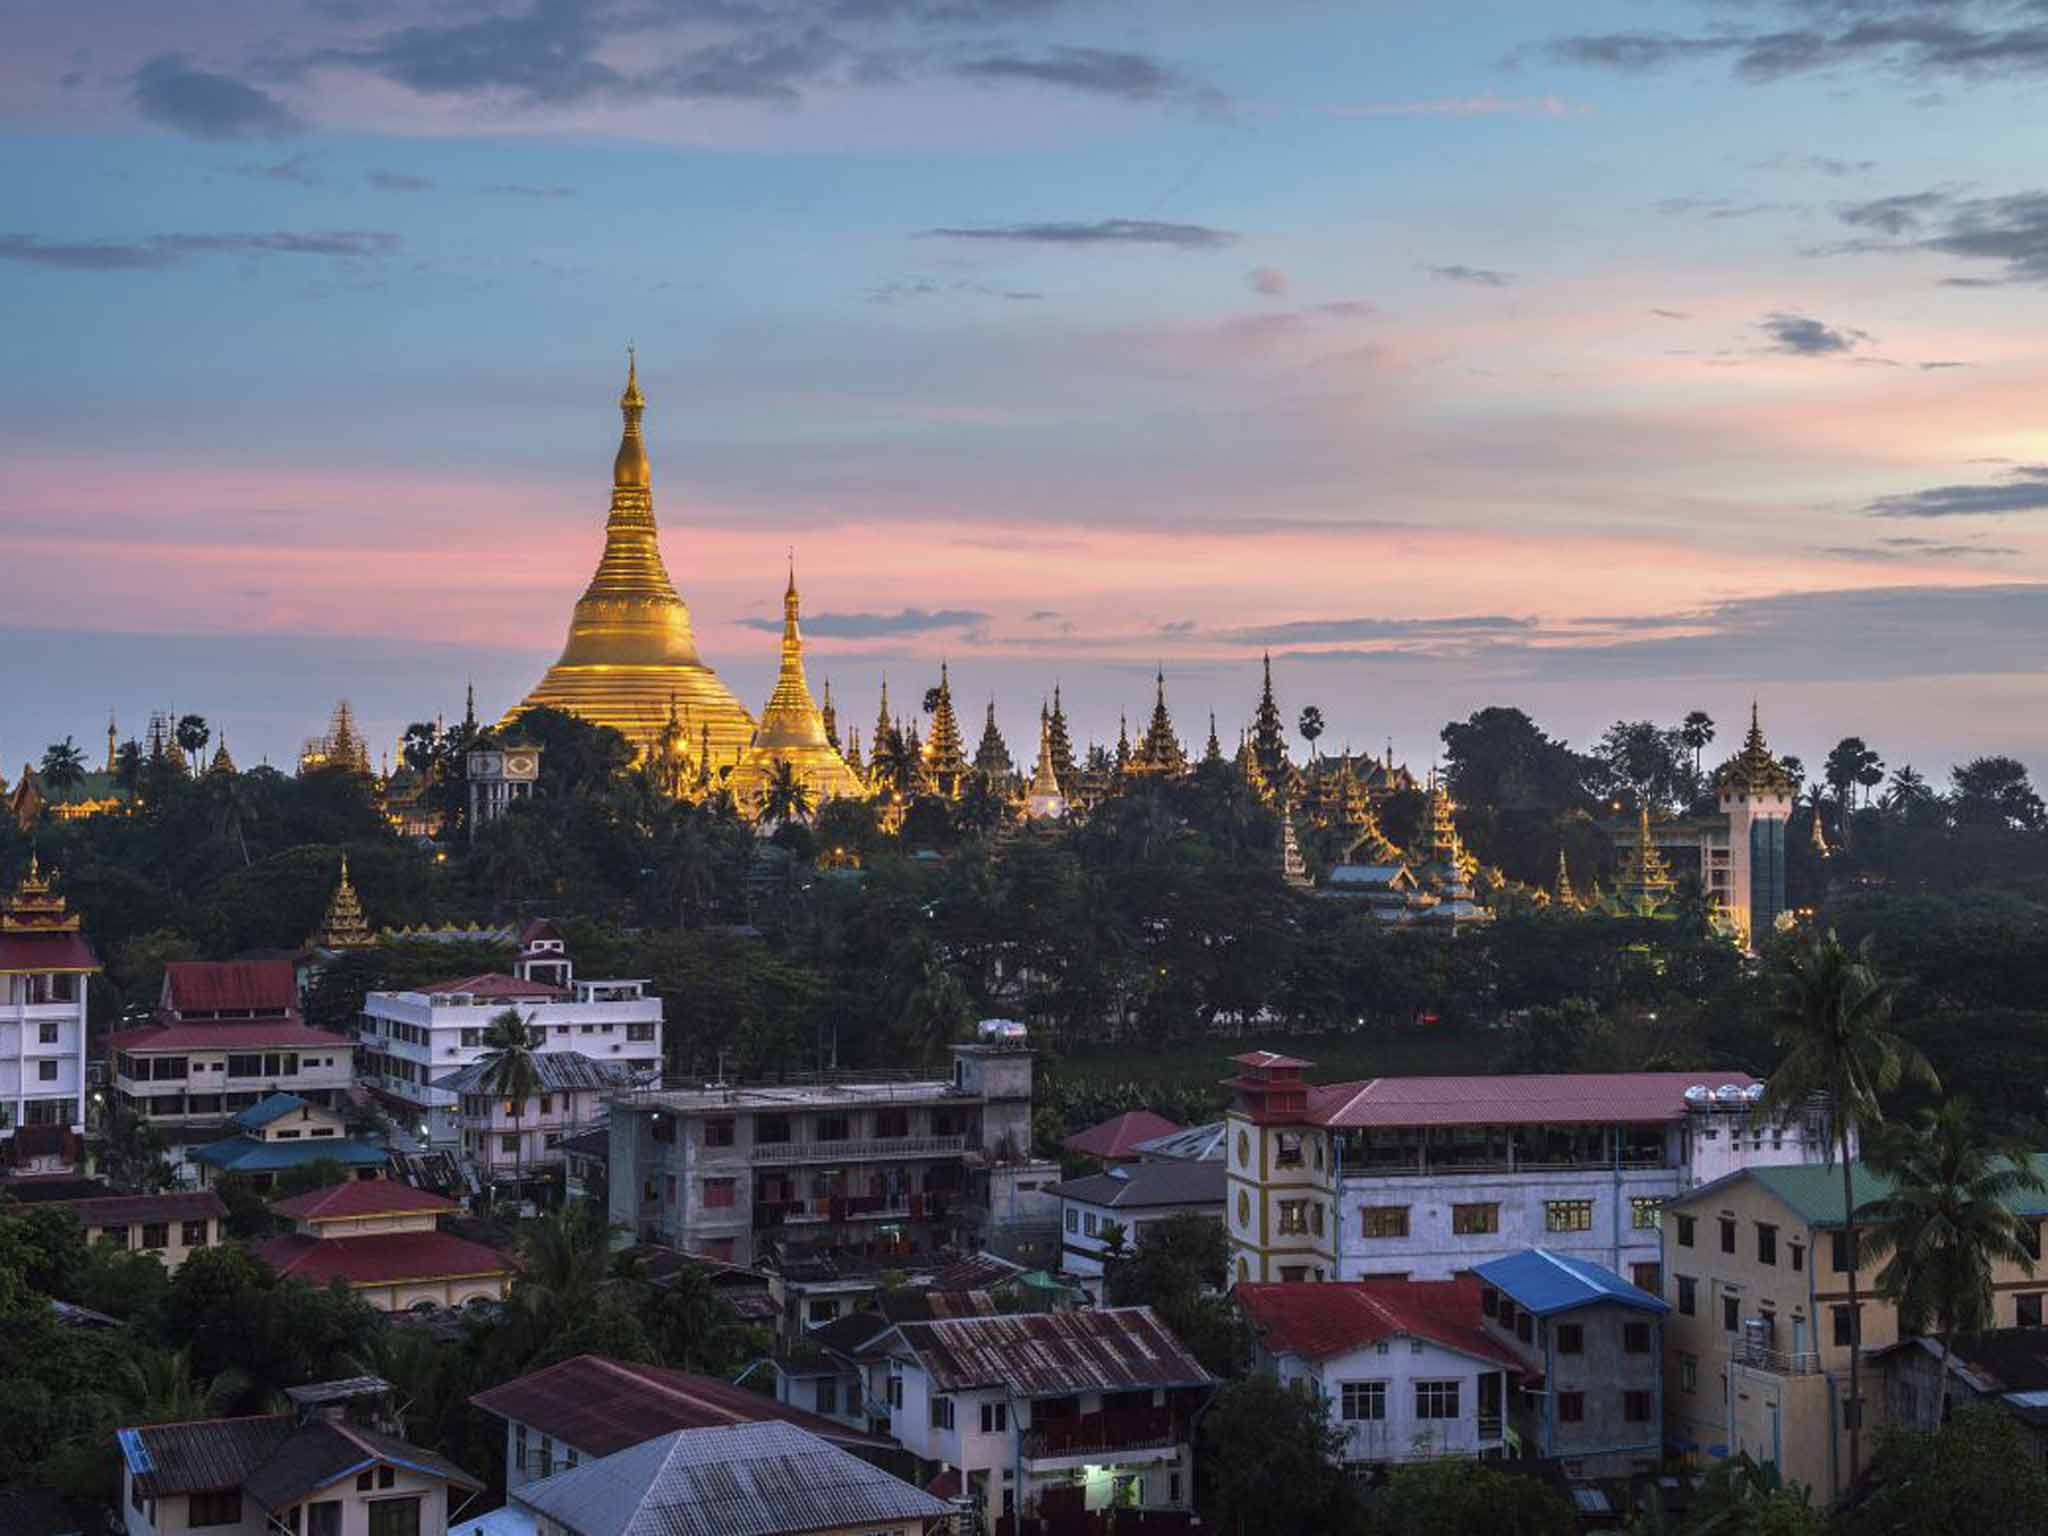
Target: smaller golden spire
pixel 629 469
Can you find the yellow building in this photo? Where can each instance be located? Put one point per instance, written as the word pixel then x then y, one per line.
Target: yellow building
pixel 631 653
pixel 383 1240
pixel 793 731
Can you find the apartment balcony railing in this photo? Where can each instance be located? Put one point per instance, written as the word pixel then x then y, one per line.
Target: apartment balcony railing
pixel 825 1209
pixel 1104 1434
pixel 857 1151
pixel 1779 1362
pixel 1437 1169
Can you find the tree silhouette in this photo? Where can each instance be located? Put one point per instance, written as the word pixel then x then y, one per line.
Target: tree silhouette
pixel 63 768
pixel 192 735
pixel 510 1072
pixel 787 797
pixel 1696 730
pixel 1311 726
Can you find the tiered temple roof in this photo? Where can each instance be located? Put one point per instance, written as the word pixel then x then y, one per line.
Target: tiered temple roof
pixel 344 926
pixel 1160 752
pixel 945 754
pixel 1754 770
pixel 792 731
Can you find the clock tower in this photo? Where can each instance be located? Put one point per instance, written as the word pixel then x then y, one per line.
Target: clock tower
pixel 497 777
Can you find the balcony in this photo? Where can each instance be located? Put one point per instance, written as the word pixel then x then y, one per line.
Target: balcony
pixel 858 1151
pixel 1105 1435
pixel 825 1209
pixel 1778 1362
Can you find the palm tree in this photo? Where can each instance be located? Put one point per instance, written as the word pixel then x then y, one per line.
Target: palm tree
pixel 161 1388
pixel 1946 1223
pixel 193 733
pixel 63 768
pixel 787 797
pixel 1696 730
pixel 510 1072
pixel 1828 1017
pixel 1311 726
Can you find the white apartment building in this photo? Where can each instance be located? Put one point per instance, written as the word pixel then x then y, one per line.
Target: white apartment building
pixel 45 968
pixel 408 1042
pixel 502 1139
pixel 1122 1204
pixel 1425 1177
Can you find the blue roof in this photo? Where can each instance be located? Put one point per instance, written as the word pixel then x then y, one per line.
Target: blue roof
pixel 245 1154
pixel 271 1107
pixel 1543 1282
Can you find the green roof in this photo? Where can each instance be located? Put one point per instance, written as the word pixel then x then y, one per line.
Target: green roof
pixel 1814 1190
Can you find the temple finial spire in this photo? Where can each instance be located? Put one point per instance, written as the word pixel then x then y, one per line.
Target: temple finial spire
pixel 629 469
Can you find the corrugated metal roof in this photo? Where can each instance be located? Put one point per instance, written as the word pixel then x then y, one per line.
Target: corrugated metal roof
pixel 1570 1098
pixel 765 1479
pixel 974 1272
pixel 554 1072
pixel 381 1258
pixel 203 1456
pixel 362 1197
pixel 1196 1144
pixel 124 1210
pixel 1149 1184
pixel 1052 1354
pixel 493 984
pixel 924 1306
pixel 1119 1135
pixel 272 1106
pixel 323 1451
pixel 228 1035
pixel 232 986
pixel 1544 1282
pixel 245 1154
pixel 1316 1321
pixel 1814 1190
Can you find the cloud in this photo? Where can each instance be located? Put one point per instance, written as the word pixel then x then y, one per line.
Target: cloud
pixel 297 169
pixel 1896 215
pixel 1347 309
pixel 1671 314
pixel 1717 207
pixel 1186 237
pixel 1270 281
pixel 207 106
pixel 870 626
pixel 1892 550
pixel 898 290
pixel 1097 71
pixel 1942 363
pixel 521 189
pixel 168 250
pixel 1803 336
pixel 1316 631
pixel 1485 104
pixel 1042 615
pixel 2011 231
pixel 546 54
pixel 1484 277
pixel 2025 489
pixel 398 181
pixel 1825 165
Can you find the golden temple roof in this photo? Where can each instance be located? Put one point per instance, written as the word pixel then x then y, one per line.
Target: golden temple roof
pixel 793 730
pixel 945 755
pixel 344 926
pixel 630 648
pixel 1754 770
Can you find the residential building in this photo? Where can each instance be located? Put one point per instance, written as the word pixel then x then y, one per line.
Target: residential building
pixel 840 1369
pixel 1757 1344
pixel 1051 1414
pixel 588 1407
pixel 384 1240
pixel 409 1042
pixel 227 1034
pixel 763 1479
pixel 1596 1344
pixel 2006 1368
pixel 46 967
pixel 282 1131
pixel 1116 1139
pixel 1407 1366
pixel 1429 1176
pixel 569 1095
pixel 171 1226
pixel 312 1472
pixel 856 1173
pixel 1113 1211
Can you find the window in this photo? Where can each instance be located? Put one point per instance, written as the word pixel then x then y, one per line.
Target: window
pixel 1648 1277
pixel 640 1032
pixel 1643 1212
pixel 395 1517
pixel 1286 1149
pixel 771 1130
pixel 1845 1325
pixel 508 1144
pixel 718 1133
pixel 1567 1215
pixel 2027 1309
pixel 1436 1399
pixel 46 1033
pixel 1383 1221
pixel 1689 1373
pixel 942 1413
pixel 832 1128
pixel 1731 1313
pixel 1472 1220
pixel 1766 1243
pixel 1727 1234
pixel 214 1508
pixel 387 1477
pixel 1843 1257
pixel 1073 1219
pixel 895 1391
pixel 1571 1339
pixel 822 1311
pixel 519 1447
pixel 1685 1226
pixel 1688 1296
pixel 156 1235
pixel 1090 1222
pixel 1635 1338
pixel 245 1066
pixel 1635 1407
pixel 1293 1218
pixel 1507 1312
pixel 1571 1407
pixel 892 1124
pixel 46 1071
pixel 1315 1217
pixel 720 1194
pixel 995 1418
pixel 544 1458
pixel 1293 1274
pixel 1798 1257
pixel 324 1518
pixel 828 1394
pixel 1362 1402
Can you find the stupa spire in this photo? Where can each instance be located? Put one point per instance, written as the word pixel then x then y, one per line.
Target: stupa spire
pixel 793 728
pixel 344 926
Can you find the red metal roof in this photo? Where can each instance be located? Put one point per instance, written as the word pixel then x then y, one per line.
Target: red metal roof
pixel 232 1035
pixel 362 1197
pixel 231 986
pixel 1535 1099
pixel 492 984
pixel 1268 1060
pixel 600 1405
pixel 1120 1134
pixel 381 1258
pixel 1054 1354
pixel 21 952
pixel 122 1210
pixel 1316 1321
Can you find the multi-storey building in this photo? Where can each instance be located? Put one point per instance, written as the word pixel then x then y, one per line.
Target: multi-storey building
pixel 227 1035
pixel 1429 1176
pixel 1110 1213
pixel 1596 1344
pixel 864 1164
pixel 502 1139
pixel 1407 1367
pixel 45 967
pixel 1757 1345
pixel 172 1226
pixel 384 1241
pixel 409 1041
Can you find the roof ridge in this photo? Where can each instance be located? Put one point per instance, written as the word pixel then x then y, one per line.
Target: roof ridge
pixel 667 1388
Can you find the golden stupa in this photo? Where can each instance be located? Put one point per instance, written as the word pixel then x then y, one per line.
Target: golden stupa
pixel 793 731
pixel 631 655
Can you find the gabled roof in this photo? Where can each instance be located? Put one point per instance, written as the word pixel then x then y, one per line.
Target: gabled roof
pixel 849 1333
pixel 273 1034
pixel 245 1154
pixel 553 1071
pixel 495 985
pixel 1196 1144
pixel 381 1258
pixel 922 1306
pixel 1813 1191
pixel 274 1462
pixel 1317 1321
pixel 758 1479
pixel 260 987
pixel 272 1106
pixel 1053 1354
pixel 60 951
pixel 1119 1135
pixel 1541 1098
pixel 974 1272
pixel 1543 1282
pixel 362 1197
pixel 601 1406
pixel 125 1210
pixel 323 1452
pixel 1148 1184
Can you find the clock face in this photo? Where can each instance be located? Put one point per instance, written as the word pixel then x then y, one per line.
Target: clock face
pixel 520 765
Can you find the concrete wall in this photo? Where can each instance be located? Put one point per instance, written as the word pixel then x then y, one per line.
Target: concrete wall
pixel 171 1511
pixel 1398 1363
pixel 1259 1184
pixel 1604 1441
pixel 175 1251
